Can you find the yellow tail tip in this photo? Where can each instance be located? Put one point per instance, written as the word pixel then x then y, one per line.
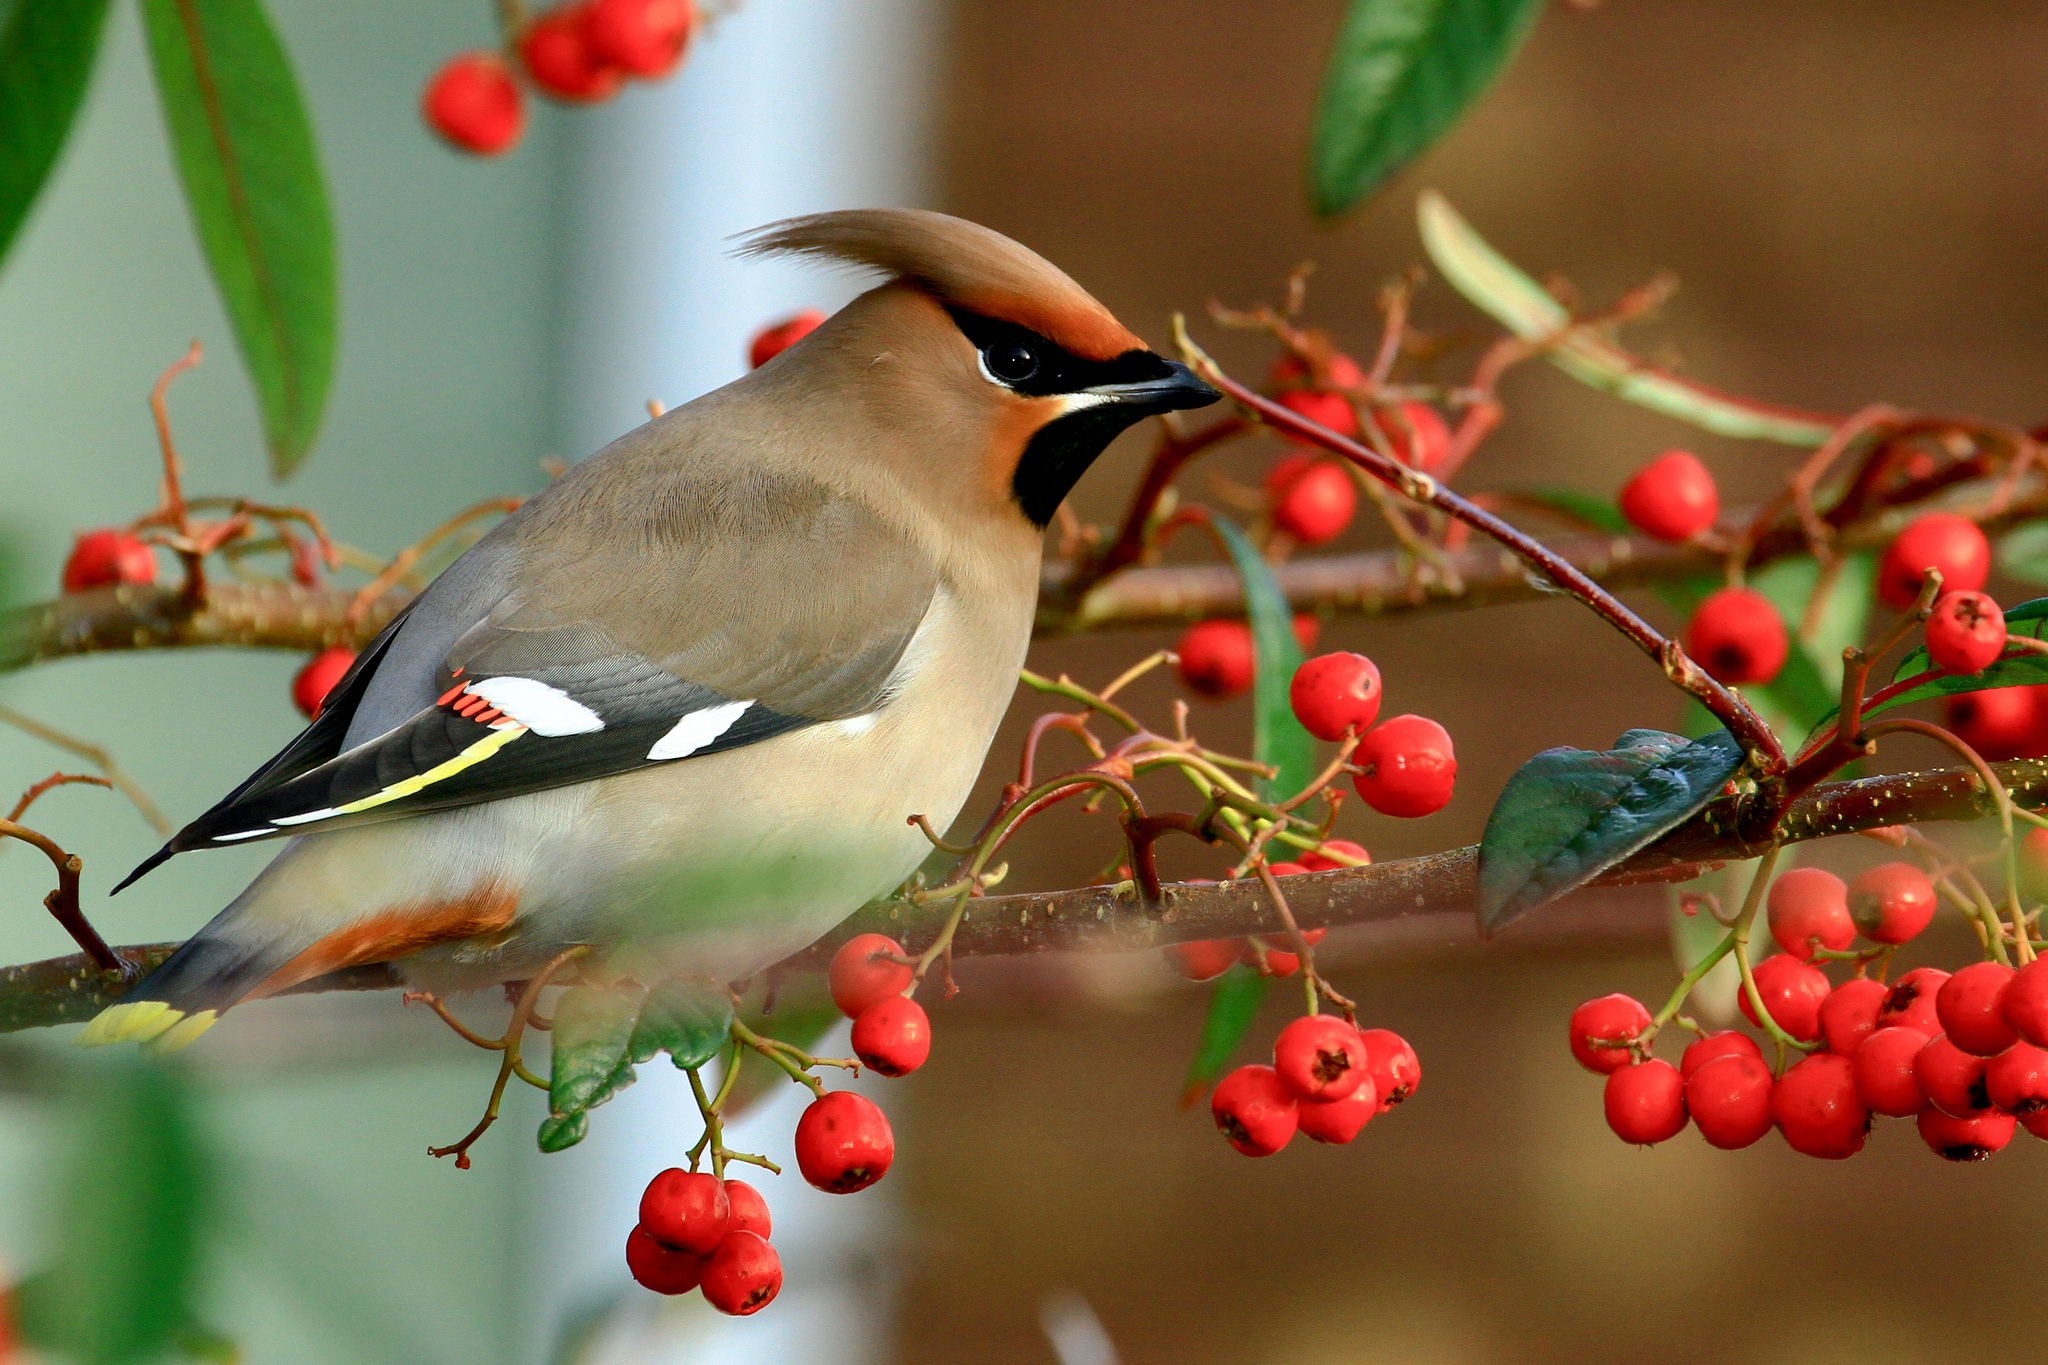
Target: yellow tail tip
pixel 117 1023
pixel 182 1034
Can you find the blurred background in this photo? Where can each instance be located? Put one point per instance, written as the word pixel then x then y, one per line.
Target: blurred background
pixel 1849 194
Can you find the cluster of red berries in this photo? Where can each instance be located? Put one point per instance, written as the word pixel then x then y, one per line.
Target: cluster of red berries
pixel 1964 1055
pixel 1328 1078
pixel 580 52
pixel 699 1232
pixel 1311 497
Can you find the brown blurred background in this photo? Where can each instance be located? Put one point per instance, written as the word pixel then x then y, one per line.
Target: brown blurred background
pixel 1852 196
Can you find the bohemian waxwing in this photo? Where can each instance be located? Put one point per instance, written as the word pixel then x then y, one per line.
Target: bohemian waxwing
pixel 681 704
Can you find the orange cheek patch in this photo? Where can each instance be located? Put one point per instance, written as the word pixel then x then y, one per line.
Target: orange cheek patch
pixel 390 934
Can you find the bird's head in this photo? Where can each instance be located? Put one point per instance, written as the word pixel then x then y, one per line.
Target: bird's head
pixel 980 343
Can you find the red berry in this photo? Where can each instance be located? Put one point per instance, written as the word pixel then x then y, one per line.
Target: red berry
pixel 843 1143
pixel 1646 1102
pixel 1610 1020
pixel 1306 629
pixel 2033 853
pixel 1892 902
pixel 1792 992
pixel 103 559
pixel 1726 1043
pixel 1965 633
pixel 558 53
pixel 1410 768
pixel 662 1269
pixel 2017 1079
pixel 1286 470
pixel 1965 1139
pixel 1284 940
pixel 1253 1110
pixel 771 342
pixel 1808 903
pixel 322 673
pixel 864 971
pixel 749 1209
pixel 475 104
pixel 2026 1002
pixel 1816 1107
pixel 1729 1098
pixel 1416 433
pixel 1286 869
pixel 1321 861
pixel 1998 722
pixel 1737 636
pixel 1884 1072
pixel 1317 505
pixel 1971 1009
pixel 1672 497
pixel 743 1276
pixel 1332 410
pixel 1204 958
pixel 1277 963
pixel 644 37
pixel 1338 1121
pixel 1951 1079
pixel 687 1210
pixel 1333 693
pixel 2037 1124
pixel 1340 371
pixel 1910 1001
pixel 1320 1057
pixel 1217 658
pixel 1849 1014
pixel 1396 1070
pixel 893 1036
pixel 1938 540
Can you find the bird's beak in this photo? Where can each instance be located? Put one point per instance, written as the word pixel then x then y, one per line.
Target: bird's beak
pixel 1178 388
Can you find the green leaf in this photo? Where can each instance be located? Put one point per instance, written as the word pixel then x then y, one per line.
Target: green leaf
pixel 1525 308
pixel 689 1018
pixel 1567 815
pixel 1590 508
pixel 2021 670
pixel 560 1131
pixel 1233 1004
pixel 2023 552
pixel 245 152
pixel 46 54
pixel 1277 737
pixel 593 1025
pixel 1402 73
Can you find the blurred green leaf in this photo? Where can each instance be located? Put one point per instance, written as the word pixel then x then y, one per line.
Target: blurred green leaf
pixel 1567 815
pixel 689 1018
pixel 1277 737
pixel 1525 308
pixel 2024 670
pixel 1590 508
pixel 1233 1004
pixel 2023 552
pixel 46 54
pixel 245 152
pixel 560 1131
pixel 1402 73
pixel 592 1027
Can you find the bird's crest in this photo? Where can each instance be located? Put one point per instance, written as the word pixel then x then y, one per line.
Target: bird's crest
pixel 962 264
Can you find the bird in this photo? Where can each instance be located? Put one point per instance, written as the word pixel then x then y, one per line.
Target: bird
pixel 681 705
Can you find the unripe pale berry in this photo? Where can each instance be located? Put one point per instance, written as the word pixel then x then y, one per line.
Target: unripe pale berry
pixel 105 558
pixel 2017 1080
pixel 2026 1002
pixel 1816 1107
pixel 318 678
pixel 661 1268
pixel 1726 1043
pixel 1396 1070
pixel 1951 1079
pixel 893 1036
pixel 1320 860
pixel 1737 636
pixel 1217 658
pixel 1253 1110
pixel 1939 540
pixel 1910 1001
pixel 1205 958
pixel 1971 1008
pixel 643 37
pixel 1610 1020
pixel 1892 902
pixel 1645 1103
pixel 1416 433
pixel 2000 723
pixel 1792 992
pixel 865 971
pixel 1965 1139
pixel 687 1210
pixel 1320 1057
pixel 1808 903
pixel 1965 633
pixel 557 52
pixel 1883 1067
pixel 1332 410
pixel 772 341
pixel 1671 498
pixel 743 1276
pixel 1849 1014
pixel 1338 1121
pixel 475 104
pixel 1340 371
pixel 1410 767
pixel 749 1209
pixel 1317 505
pixel 1332 693
pixel 1729 1098
pixel 843 1143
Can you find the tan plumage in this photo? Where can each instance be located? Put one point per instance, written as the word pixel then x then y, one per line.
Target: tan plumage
pixel 681 705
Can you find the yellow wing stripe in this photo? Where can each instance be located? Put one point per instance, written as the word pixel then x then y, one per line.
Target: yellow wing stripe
pixel 468 758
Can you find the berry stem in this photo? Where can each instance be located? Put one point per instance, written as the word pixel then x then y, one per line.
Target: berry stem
pixel 1847 742
pixel 529 999
pixel 1739 942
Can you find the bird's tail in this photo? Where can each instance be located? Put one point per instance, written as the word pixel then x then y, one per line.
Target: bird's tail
pixel 191 988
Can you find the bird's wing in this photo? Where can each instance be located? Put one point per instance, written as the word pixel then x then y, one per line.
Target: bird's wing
pixel 705 617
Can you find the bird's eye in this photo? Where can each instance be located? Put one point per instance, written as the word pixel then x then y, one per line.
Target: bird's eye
pixel 1010 361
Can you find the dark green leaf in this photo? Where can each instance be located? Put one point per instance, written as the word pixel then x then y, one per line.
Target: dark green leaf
pixel 593 1025
pixel 689 1018
pixel 559 1131
pixel 1402 73
pixel 1589 508
pixel 1277 737
pixel 1233 1003
pixel 2021 670
pixel 245 152
pixel 1567 815
pixel 46 53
